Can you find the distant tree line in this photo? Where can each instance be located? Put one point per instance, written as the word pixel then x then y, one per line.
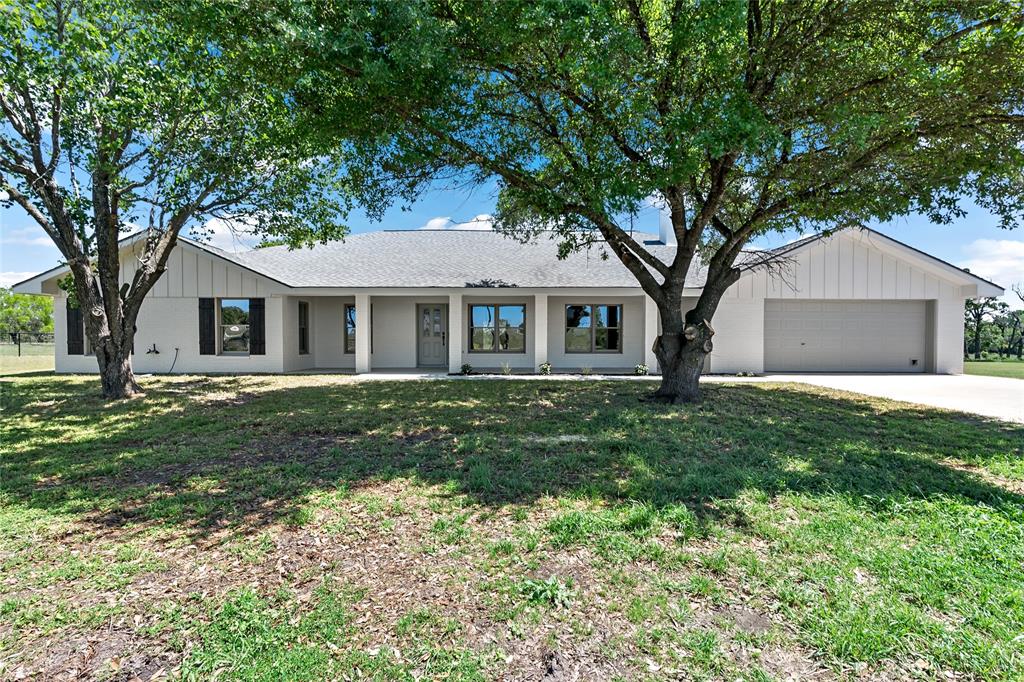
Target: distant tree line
pixel 991 327
pixel 22 313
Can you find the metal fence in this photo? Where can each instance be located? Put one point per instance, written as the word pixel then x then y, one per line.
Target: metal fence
pixel 18 343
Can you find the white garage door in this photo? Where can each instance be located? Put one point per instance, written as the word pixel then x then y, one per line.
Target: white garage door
pixel 844 336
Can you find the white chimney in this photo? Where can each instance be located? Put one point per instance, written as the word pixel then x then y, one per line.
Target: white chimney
pixel 666 235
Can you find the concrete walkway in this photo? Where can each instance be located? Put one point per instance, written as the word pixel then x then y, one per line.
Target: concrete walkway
pixel 995 397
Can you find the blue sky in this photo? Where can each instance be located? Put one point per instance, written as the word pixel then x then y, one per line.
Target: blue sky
pixel 975 241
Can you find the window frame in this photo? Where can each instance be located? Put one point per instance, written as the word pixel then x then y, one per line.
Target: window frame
pixel 495 350
pixel 303 328
pixel 219 310
pixel 593 329
pixel 344 330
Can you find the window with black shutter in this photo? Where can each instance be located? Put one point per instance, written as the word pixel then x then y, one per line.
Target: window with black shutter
pixel 75 330
pixel 257 327
pixel 207 327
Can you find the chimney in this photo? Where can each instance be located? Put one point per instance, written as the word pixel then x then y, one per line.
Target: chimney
pixel 666 235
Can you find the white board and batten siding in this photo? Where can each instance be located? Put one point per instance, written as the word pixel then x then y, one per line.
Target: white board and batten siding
pixel 857 270
pixel 169 316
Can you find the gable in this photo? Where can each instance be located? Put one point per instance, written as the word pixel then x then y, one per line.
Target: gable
pixel 859 264
pixel 192 271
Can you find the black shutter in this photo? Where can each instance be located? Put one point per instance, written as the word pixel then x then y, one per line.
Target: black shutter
pixel 76 331
pixel 257 327
pixel 207 324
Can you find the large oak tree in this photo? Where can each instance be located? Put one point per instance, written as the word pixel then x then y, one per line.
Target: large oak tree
pixel 742 117
pixel 117 116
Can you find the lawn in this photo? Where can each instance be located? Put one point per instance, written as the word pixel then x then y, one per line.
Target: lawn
pixel 289 528
pixel 1011 368
pixel 34 357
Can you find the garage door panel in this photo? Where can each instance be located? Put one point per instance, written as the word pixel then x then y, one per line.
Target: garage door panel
pixel 845 336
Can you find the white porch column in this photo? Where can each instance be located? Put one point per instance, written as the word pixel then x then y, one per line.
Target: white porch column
pixel 540 330
pixel 456 332
pixel 362 333
pixel 650 333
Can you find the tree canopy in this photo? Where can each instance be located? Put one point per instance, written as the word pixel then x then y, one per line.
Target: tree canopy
pixel 742 118
pixel 124 115
pixel 22 313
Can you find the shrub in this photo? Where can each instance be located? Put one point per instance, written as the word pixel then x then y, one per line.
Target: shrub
pixel 641 370
pixel 545 368
pixel 506 368
pixel 467 368
pixel 550 592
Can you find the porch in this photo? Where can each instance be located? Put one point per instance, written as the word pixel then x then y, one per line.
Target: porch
pixel 491 329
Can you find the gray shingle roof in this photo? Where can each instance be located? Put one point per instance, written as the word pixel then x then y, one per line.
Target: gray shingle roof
pixel 444 258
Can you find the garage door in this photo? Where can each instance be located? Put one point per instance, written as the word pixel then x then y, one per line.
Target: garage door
pixel 844 336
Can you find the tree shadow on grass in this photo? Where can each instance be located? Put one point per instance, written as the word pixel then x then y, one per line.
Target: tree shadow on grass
pixel 199 454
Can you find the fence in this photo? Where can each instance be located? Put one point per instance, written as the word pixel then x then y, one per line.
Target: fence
pixel 25 351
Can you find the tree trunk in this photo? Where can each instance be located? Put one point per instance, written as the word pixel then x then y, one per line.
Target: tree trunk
pixel 977 340
pixel 116 374
pixel 681 357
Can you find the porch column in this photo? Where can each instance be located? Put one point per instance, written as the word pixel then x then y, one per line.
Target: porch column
pixel 650 333
pixel 362 333
pixel 540 330
pixel 456 332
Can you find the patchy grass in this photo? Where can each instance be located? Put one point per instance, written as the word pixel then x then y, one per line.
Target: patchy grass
pixel 34 357
pixel 288 528
pixel 1010 368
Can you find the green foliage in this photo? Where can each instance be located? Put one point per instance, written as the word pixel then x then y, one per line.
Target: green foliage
pixel 582 110
pixel 179 125
pixel 21 312
pixel 550 592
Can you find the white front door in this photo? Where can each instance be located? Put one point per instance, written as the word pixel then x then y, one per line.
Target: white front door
pixel 432 335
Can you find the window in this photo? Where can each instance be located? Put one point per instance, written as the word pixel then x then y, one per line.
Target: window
pixel 497 328
pixel 303 328
pixel 234 325
pixel 350 328
pixel 593 328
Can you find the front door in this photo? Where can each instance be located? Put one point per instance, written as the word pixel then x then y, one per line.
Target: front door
pixel 432 334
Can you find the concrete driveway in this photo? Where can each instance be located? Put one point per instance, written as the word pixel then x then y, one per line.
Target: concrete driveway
pixel 987 396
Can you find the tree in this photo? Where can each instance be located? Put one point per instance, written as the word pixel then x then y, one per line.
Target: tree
pixel 976 313
pixel 114 121
pixel 742 118
pixel 21 313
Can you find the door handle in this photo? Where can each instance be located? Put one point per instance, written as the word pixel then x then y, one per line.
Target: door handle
pixel 443 337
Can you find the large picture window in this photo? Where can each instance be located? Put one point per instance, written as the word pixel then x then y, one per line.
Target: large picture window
pixel 593 328
pixel 497 328
pixel 350 328
pixel 303 328
pixel 234 325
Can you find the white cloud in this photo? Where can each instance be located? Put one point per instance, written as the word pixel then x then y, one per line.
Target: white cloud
pixel 226 234
pixel 481 222
pixel 26 237
pixel 9 278
pixel 998 260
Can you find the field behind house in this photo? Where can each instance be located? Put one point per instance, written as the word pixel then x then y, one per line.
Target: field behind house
pixel 33 357
pixel 289 528
pixel 1010 367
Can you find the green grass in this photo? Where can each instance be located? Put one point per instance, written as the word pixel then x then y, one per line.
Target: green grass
pixel 291 528
pixel 1010 368
pixel 35 357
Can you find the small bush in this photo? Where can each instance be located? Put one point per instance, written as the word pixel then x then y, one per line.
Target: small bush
pixel 550 592
pixel 586 371
pixel 545 368
pixel 467 368
pixel 506 368
pixel 641 370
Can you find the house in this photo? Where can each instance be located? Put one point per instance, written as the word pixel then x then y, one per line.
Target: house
pixel 855 301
